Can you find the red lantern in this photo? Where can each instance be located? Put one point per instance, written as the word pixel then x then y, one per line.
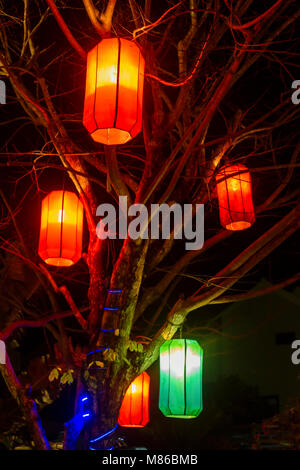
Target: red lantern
pixel 61 229
pixel 235 197
pixel 114 91
pixel 134 412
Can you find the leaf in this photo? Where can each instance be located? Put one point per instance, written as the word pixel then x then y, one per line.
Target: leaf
pixel 140 347
pixel 46 397
pixel 54 374
pixel 64 378
pixel 86 374
pixel 132 346
pixel 67 377
pixel 99 364
pixel 110 355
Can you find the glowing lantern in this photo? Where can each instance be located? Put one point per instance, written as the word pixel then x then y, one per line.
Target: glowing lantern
pixel 235 197
pixel 180 388
pixel 114 91
pixel 134 412
pixel 61 229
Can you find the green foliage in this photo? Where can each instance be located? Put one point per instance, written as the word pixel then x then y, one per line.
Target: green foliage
pixel 54 374
pixel 96 363
pixel 134 346
pixel 67 377
pixel 110 355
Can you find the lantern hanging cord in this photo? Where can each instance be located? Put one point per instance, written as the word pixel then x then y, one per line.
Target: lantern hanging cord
pixel 189 77
pixel 175 324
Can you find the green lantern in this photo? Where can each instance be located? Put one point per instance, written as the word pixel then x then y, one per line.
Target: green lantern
pixel 180 388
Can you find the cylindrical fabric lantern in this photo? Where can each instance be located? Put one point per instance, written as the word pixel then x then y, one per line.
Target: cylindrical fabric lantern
pixel 234 191
pixel 180 387
pixel 114 91
pixel 134 412
pixel 60 241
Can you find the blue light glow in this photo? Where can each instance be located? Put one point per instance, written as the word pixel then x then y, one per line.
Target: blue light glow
pixel 97 350
pixel 104 435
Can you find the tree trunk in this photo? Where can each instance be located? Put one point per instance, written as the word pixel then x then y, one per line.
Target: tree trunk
pixel 26 404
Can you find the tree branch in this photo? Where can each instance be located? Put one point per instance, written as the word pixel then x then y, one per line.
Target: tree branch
pixel 103 26
pixel 26 404
pixel 114 173
pixel 246 260
pixel 256 293
pixel 5 334
pixel 65 292
pixel 102 168
pixel 152 294
pixel 66 30
pixel 242 264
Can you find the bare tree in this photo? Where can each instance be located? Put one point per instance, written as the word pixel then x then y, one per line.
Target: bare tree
pixel 201 61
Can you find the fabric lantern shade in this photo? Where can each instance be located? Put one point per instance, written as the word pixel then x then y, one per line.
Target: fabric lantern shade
pixel 134 412
pixel 114 91
pixel 60 241
pixel 180 387
pixel 234 191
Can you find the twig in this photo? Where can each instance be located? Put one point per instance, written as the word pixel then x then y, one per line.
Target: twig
pixel 66 30
pixel 256 293
pixel 7 332
pixel 63 290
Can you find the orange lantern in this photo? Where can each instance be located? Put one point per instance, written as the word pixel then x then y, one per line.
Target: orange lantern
pixel 235 197
pixel 134 412
pixel 114 91
pixel 60 241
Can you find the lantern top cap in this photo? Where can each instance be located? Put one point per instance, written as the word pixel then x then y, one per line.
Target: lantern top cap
pixel 117 38
pixel 228 171
pixel 234 167
pixel 179 341
pixel 62 191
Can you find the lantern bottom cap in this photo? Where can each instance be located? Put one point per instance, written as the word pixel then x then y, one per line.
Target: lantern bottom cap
pixel 59 262
pixel 111 136
pixel 181 416
pixel 239 225
pixel 132 425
